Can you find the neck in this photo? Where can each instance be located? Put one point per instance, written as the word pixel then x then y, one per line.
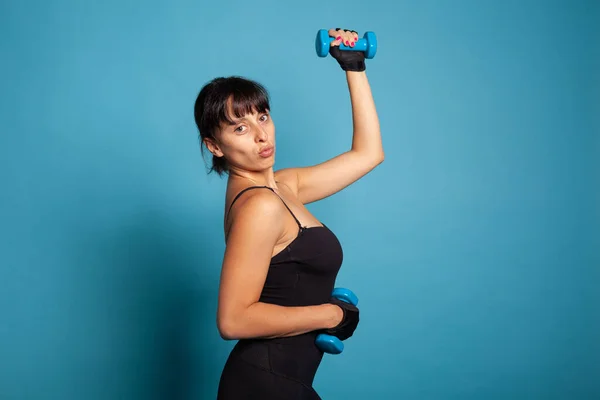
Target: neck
pixel 263 178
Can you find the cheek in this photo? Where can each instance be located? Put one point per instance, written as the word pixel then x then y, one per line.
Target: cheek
pixel 242 148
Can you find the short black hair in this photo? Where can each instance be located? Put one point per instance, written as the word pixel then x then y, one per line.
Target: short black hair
pixel 211 108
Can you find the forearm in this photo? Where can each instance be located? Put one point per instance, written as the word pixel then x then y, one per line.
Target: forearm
pixel 367 135
pixel 264 320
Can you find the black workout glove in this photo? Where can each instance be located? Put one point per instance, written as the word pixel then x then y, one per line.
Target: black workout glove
pixel 348 60
pixel 349 322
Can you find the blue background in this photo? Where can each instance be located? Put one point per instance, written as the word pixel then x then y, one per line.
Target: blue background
pixel 474 248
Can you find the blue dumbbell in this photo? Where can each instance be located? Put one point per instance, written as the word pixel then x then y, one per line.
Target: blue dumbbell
pixel 368 44
pixel 328 343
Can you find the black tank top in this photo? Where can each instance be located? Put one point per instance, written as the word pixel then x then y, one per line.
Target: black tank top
pixel 304 272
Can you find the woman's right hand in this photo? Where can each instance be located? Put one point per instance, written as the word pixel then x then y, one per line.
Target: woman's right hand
pixel 336 315
pixel 345 321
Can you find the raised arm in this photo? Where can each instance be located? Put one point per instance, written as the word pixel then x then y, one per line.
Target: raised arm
pixel 256 228
pixel 322 180
pixel 366 152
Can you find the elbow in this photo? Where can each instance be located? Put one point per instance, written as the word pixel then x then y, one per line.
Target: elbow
pixel 374 156
pixel 231 326
pixel 377 159
pixel 371 158
pixel 227 329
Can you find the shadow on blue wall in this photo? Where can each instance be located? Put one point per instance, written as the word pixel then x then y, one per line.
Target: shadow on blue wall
pixel 147 292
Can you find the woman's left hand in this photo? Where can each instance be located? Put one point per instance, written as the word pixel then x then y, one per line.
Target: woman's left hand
pixel 348 60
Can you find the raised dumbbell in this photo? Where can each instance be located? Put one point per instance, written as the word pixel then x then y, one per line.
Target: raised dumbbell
pixel 329 343
pixel 368 44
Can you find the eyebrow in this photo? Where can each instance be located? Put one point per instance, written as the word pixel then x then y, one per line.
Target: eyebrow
pixel 236 121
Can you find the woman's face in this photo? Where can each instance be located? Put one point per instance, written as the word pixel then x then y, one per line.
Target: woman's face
pixel 247 144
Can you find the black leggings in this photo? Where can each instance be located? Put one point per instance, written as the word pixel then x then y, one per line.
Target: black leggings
pixel 273 369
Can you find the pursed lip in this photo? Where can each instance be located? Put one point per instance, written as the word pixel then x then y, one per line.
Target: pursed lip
pixel 265 149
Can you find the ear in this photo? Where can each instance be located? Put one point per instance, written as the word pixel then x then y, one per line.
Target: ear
pixel 213 147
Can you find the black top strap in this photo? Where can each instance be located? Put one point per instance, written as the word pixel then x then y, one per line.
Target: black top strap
pixel 271 189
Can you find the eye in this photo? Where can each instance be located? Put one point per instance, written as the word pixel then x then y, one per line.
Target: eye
pixel 264 117
pixel 239 129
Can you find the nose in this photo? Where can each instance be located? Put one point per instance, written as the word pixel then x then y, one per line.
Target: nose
pixel 261 134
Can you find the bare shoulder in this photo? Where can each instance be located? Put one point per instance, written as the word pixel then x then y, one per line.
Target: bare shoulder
pixel 254 210
pixel 289 178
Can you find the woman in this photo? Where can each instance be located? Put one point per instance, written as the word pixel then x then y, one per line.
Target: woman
pixel 280 262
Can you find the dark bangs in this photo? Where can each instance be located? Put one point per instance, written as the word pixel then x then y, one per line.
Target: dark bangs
pixel 211 108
